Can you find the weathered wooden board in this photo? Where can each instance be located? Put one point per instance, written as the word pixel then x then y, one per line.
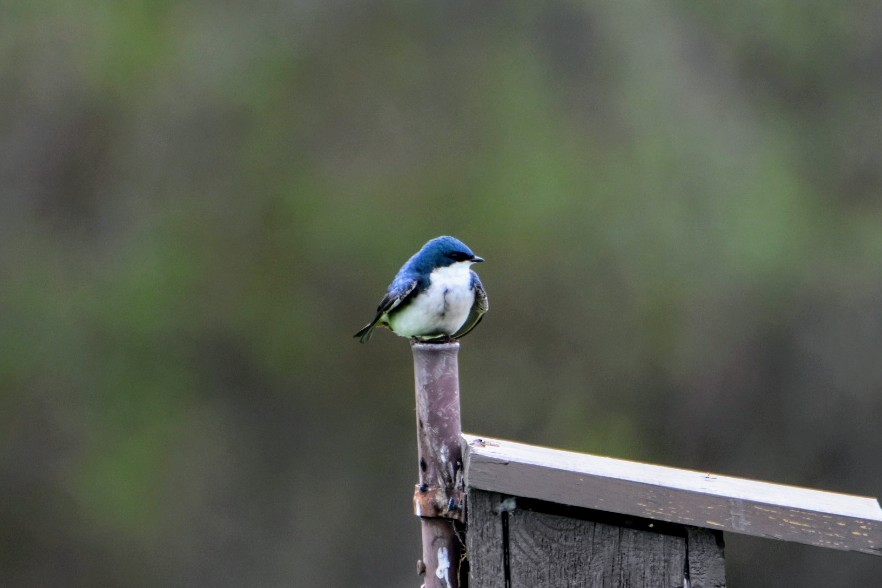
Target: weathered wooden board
pixel 707 567
pixel 546 546
pixel 551 550
pixel 485 549
pixel 698 499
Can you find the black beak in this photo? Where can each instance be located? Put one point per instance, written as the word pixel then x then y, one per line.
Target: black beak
pixel 477 259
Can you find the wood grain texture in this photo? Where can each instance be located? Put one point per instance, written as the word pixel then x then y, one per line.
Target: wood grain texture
pixel 687 497
pixel 484 545
pixel 548 549
pixel 707 566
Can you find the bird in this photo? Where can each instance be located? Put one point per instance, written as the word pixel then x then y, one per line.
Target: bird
pixel 435 297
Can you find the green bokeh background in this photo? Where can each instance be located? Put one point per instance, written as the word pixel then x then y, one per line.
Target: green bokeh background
pixel 680 204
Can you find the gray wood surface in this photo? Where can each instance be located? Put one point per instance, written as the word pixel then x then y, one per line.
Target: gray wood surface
pixel 509 546
pixel 484 545
pixel 551 550
pixel 707 566
pixel 687 497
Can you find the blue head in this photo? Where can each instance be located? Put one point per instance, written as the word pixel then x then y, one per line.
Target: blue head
pixel 441 252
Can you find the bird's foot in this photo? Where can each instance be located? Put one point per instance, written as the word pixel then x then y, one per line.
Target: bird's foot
pixel 434 340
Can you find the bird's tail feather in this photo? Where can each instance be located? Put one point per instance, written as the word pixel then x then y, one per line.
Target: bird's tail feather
pixel 364 335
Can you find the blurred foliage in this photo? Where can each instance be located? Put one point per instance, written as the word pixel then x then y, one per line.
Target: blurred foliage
pixel 679 204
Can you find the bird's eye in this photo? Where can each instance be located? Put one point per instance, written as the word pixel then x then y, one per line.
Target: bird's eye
pixel 457 256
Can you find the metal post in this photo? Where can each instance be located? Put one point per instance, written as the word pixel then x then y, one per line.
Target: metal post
pixel 438 499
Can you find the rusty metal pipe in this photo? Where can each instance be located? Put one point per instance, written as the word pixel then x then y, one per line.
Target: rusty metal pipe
pixel 439 496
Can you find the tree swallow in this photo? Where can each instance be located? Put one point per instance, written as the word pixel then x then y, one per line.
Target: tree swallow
pixel 434 296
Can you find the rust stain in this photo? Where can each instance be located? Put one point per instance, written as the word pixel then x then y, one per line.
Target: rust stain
pixel 437 502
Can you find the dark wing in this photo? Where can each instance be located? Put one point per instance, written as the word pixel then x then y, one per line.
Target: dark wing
pixel 398 293
pixel 480 306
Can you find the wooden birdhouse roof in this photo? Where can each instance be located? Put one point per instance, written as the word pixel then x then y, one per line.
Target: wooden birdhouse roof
pixel 699 499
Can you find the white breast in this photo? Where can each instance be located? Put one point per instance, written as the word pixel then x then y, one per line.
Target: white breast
pixel 442 308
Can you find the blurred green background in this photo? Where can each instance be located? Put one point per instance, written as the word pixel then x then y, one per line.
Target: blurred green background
pixel 680 204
